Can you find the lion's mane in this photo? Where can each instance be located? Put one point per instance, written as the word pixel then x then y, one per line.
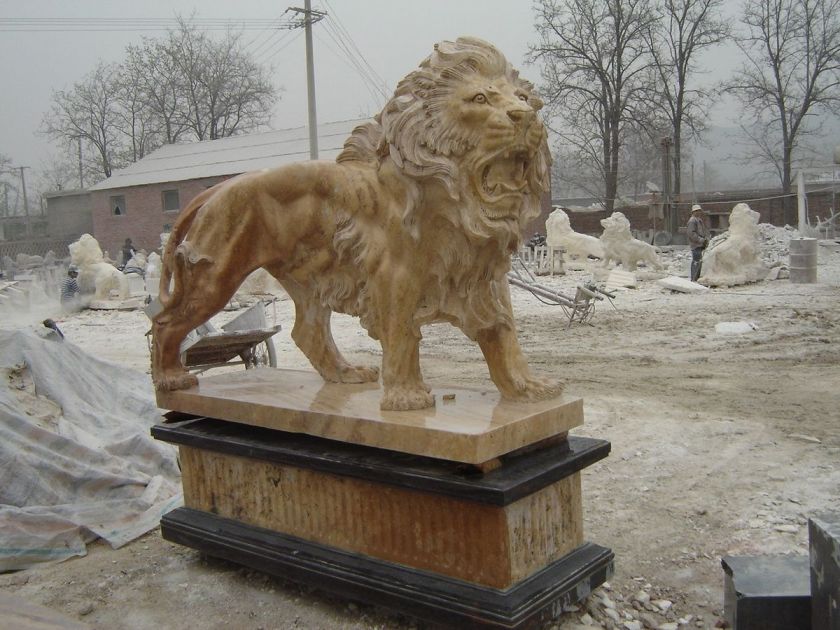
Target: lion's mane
pixel 427 145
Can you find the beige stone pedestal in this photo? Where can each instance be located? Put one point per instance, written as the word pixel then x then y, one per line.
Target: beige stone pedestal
pixel 469 512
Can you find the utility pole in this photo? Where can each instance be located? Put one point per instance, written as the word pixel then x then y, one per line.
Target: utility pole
pixel 667 206
pixel 25 201
pixel 309 18
pixel 81 179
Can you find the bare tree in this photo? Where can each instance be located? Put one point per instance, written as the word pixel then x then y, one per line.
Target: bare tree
pixel 790 74
pixel 58 172
pixel 184 86
pixel 135 119
pixel 685 29
pixel 595 63
pixel 88 111
pixel 227 92
pixel 156 74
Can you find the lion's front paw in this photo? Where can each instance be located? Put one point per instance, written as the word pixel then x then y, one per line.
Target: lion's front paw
pixel 358 374
pixel 172 380
pixel 534 388
pixel 405 398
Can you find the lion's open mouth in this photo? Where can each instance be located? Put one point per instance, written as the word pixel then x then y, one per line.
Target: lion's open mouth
pixel 503 177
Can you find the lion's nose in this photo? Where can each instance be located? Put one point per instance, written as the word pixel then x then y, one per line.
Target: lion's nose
pixel 521 115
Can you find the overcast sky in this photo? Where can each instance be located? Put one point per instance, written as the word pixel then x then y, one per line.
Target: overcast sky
pixel 392 35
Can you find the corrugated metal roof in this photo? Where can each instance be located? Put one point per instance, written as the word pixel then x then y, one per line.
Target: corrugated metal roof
pixel 230 156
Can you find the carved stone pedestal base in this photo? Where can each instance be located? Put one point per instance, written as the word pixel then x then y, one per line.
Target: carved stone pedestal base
pixel 429 537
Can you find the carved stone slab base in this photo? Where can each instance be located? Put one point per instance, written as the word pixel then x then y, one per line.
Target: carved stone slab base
pixel 465 425
pixel 425 595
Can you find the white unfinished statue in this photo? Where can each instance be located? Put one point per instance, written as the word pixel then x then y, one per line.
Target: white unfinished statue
pixel 736 258
pixel 560 234
pixel 152 276
pixel 620 246
pixel 95 275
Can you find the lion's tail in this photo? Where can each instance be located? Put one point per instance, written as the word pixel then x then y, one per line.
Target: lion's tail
pixel 169 261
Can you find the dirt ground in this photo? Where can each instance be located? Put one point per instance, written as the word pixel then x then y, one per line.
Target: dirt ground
pixel 721 445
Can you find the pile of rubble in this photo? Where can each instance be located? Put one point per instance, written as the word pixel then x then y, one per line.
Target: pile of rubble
pixel 642 610
pixel 775 242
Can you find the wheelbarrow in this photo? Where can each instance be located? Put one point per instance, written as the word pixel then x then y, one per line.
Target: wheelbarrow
pixel 244 340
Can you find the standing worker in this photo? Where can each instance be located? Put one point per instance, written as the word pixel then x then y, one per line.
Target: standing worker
pixel 698 239
pixel 70 290
pixel 128 252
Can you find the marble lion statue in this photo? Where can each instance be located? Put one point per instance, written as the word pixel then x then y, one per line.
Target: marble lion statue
pixel 560 234
pixel 414 223
pixel 620 246
pixel 734 258
pixel 95 275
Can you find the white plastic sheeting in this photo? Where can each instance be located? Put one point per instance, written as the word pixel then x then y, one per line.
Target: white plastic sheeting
pixel 77 461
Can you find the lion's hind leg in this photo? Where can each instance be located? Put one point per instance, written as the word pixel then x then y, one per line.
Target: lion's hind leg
pixel 313 335
pixel 168 373
pixel 202 289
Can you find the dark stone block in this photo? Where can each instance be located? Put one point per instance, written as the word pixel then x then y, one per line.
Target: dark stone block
pixel 519 476
pixel 767 592
pixel 442 600
pixel 824 543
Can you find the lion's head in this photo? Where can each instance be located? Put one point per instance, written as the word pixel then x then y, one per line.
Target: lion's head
pixel 465 120
pixel 616 227
pixel 557 223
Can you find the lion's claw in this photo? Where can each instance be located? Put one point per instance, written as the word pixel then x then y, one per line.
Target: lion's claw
pixel 173 380
pixel 404 399
pixel 358 374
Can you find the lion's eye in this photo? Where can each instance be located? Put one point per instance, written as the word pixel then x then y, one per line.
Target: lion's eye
pixel 523 97
pixel 479 98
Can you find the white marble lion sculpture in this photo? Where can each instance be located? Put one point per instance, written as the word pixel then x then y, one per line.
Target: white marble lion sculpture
pixel 95 275
pixel 620 246
pixel 560 234
pixel 735 257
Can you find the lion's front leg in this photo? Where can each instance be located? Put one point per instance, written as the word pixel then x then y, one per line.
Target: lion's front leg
pixel 401 379
pixel 509 369
pixel 395 298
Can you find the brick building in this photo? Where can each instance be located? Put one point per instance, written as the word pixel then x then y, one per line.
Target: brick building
pixel 143 200
pixel 68 214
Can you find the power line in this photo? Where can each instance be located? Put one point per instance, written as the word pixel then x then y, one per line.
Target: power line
pixel 334 17
pixel 271 30
pixel 375 95
pixel 360 69
pixel 271 53
pixel 89 24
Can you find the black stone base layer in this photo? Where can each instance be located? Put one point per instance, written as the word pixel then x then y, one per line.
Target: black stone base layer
pixel 418 593
pixel 519 477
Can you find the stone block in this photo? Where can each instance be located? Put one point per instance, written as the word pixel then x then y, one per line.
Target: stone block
pixel 824 543
pixel 767 592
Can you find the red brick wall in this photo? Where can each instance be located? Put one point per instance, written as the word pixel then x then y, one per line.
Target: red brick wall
pixel 144 218
pixel 768 203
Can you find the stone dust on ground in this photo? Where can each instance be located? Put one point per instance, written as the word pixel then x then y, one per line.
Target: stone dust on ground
pixel 721 445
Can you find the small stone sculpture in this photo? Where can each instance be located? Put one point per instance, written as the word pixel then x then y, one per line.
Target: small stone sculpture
pixel 620 246
pixel 414 224
pixel 735 258
pixel 561 234
pixel 95 275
